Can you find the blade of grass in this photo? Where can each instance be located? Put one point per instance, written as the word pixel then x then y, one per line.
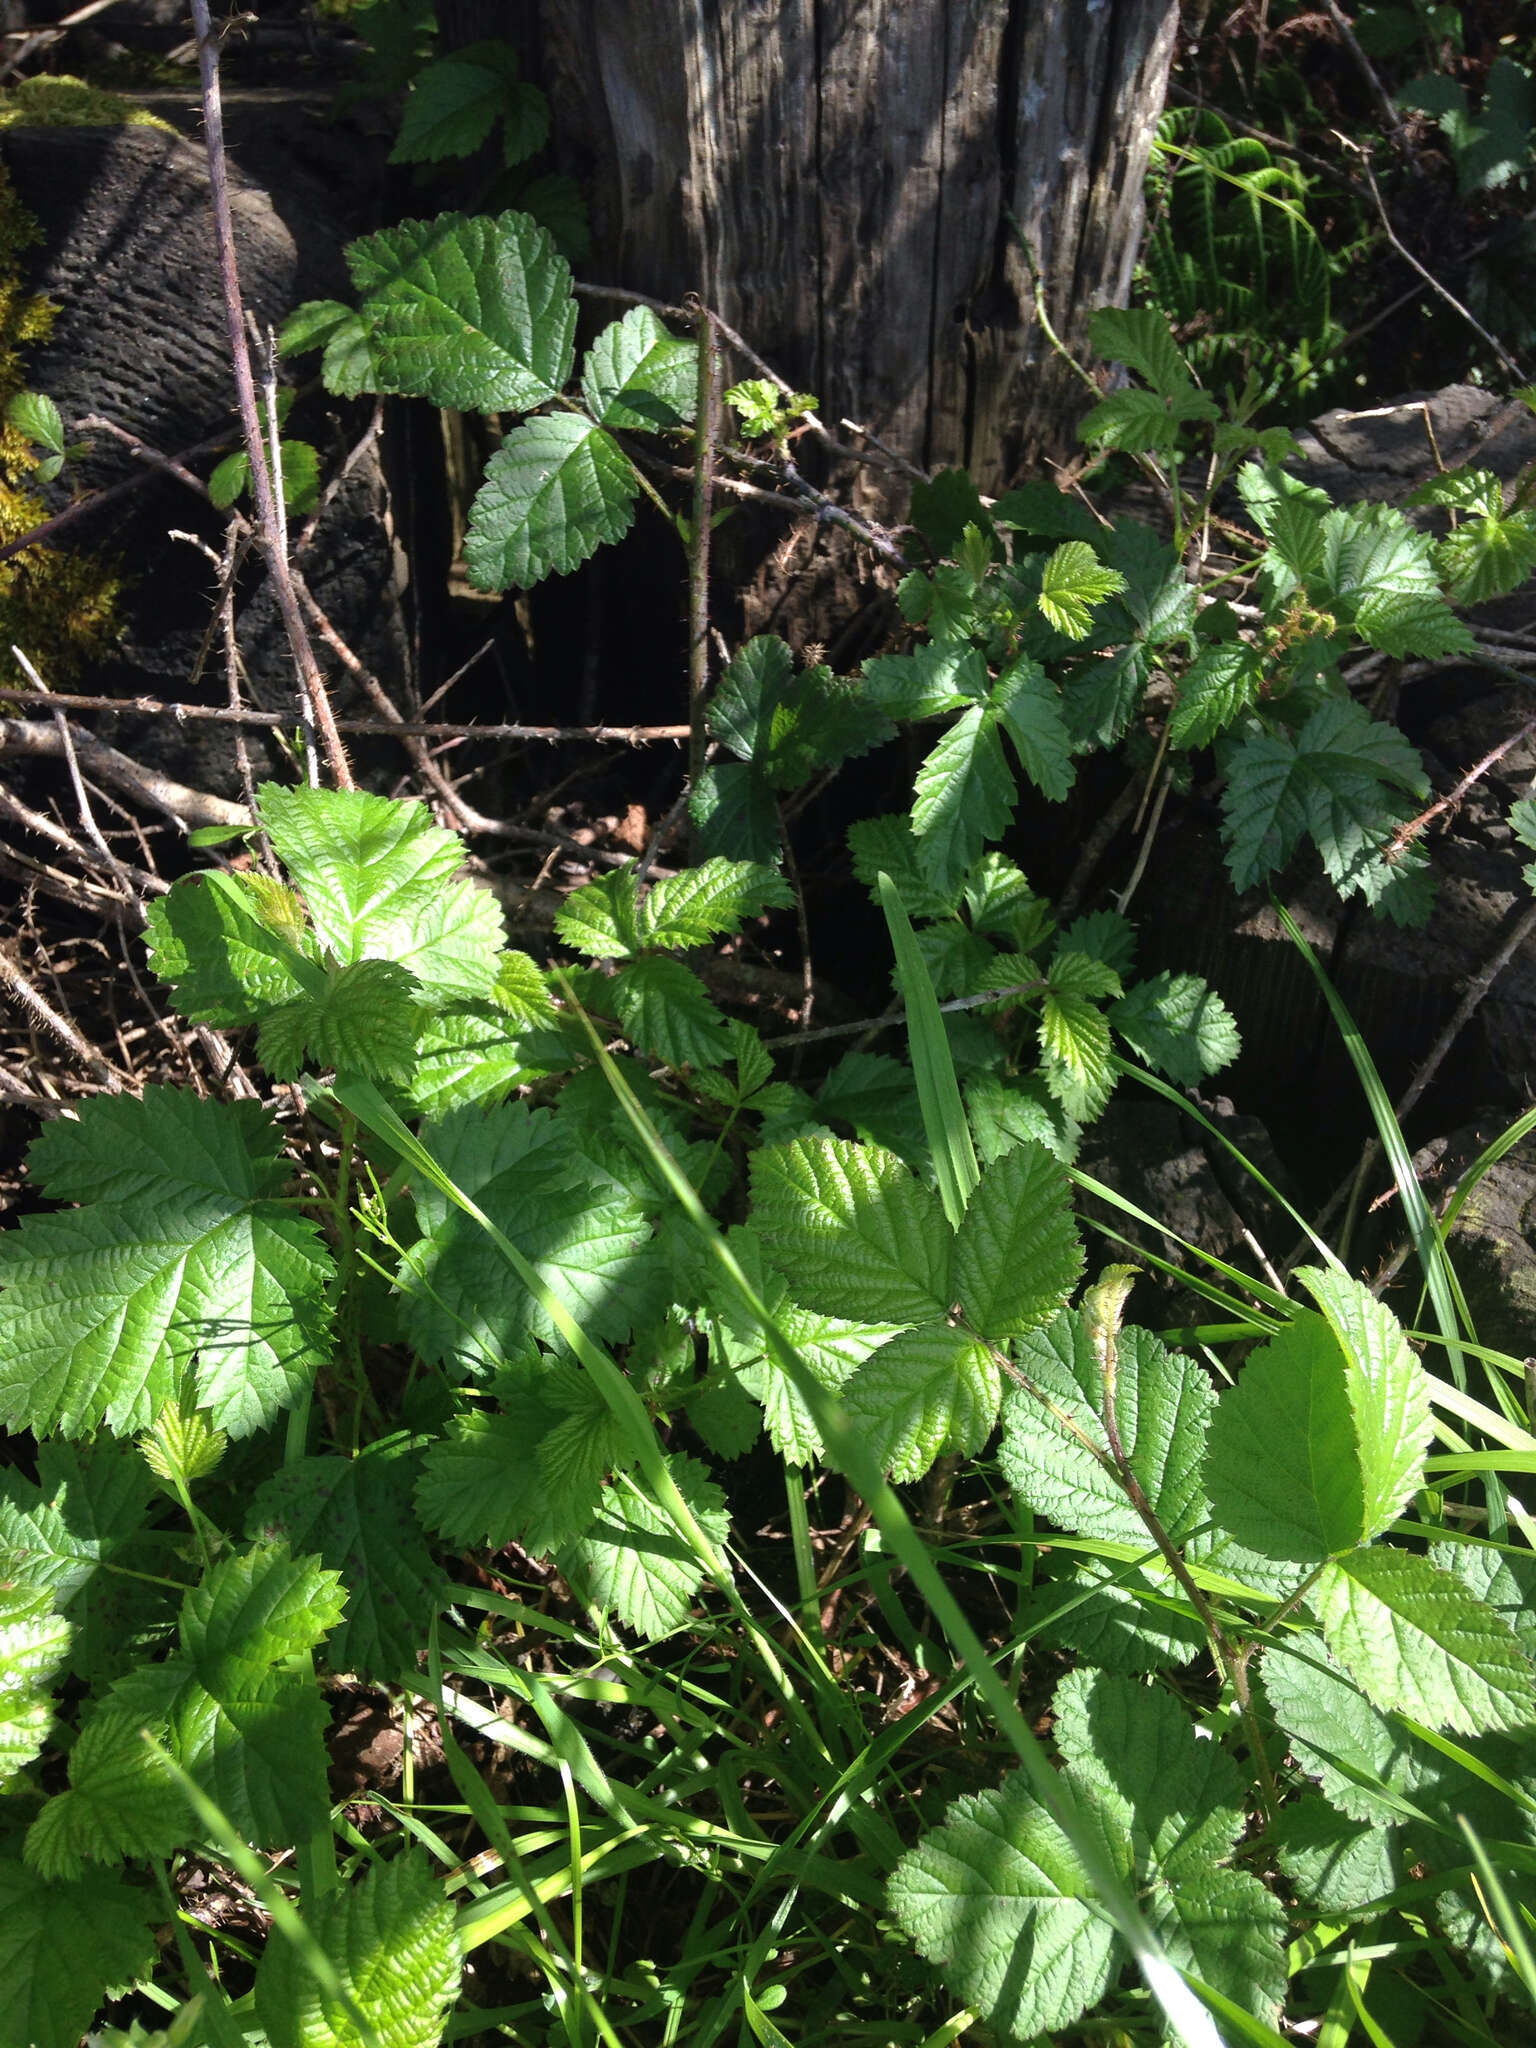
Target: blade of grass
pixel 933 1066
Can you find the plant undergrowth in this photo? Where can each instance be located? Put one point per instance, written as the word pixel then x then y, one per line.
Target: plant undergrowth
pixel 1132 1683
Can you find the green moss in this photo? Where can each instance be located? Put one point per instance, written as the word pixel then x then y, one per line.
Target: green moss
pixel 58 605
pixel 47 102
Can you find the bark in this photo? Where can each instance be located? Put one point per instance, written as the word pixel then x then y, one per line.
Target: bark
pixel 835 178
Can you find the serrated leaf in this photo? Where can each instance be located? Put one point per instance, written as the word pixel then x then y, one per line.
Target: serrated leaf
pixel 355 1515
pixel 34 414
pixel 1074 1039
pixel 383 882
pixel 601 919
pixel 1017 1254
pixel 182 1444
pixel 1487 558
pixel 632 1561
pixel 1378 573
pixel 640 376
pixel 34 1642
pixel 1227 1930
pixel 1163 1406
pixel 557 202
pixel 106 1308
pixel 228 480
pixel 456 100
pixel 216 953
pixel 665 1011
pixel 258 1607
pixel 1046 513
pixel 1145 423
pixel 1222 682
pixel 889 845
pixel 88 1509
pixel 1419 1643
pixel 718 896
pixel 937 677
pixel 392 1942
pixel 62 1948
pixel 556 489
pixel 1072 583
pixel 591 1243
pixel 1334 1863
pixel 1030 709
pixel 123 1801
pixel 479 1486
pixel 932 1389
pixel 964 797
pixel 1321 1442
pixel 733 808
pixel 1139 337
pixel 476 314
pixel 998 1897
pixel 367 1022
pixel 1367 1764
pixel 1505 1579
pixel 1099 696
pixel 1117 1621
pixel 1178 1022
pixel 853 1231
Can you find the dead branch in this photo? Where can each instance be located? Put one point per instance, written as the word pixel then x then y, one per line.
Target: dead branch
pixel 185 807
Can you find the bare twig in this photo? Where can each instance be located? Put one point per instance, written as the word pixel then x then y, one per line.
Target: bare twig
pixel 222 714
pixel 1386 108
pixel 1492 341
pixel 184 806
pixel 897 1015
pixel 269 510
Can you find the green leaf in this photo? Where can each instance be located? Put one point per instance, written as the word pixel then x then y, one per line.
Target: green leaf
pixel 391 1941
pixel 999 1899
pixel 639 376
pixel 106 1307
pixel 1368 1765
pixel 1143 422
pixel 1017 1254
pixel 1163 1406
pixel 123 1800
pixel 733 808
pixel 381 881
pixel 665 1011
pixel 633 1562
pixel 1044 512
pixel 1072 583
pixel 1222 682
pixel 301 477
pixel 1505 1579
pixel 964 797
pixel 34 414
pixel 63 1947
pixel 479 1486
pixel 854 1233
pixel 229 480
pixel 590 1242
pixel 258 1607
pixel 558 203
pixel 1178 1022
pixel 937 677
pixel 220 955
pixel 932 1389
pixel 1140 338
pixel 34 1642
pixel 1117 1620
pixel 1335 1864
pixel 1418 1642
pixel 718 896
pixel 476 314
pixel 1486 558
pixel 1321 1442
pixel 355 1514
pixel 88 1509
pixel 1379 574
pixel 456 100
pixel 889 844
pixel 601 918
pixel 1030 709
pixel 367 1022
pixel 1074 1039
pixel 555 490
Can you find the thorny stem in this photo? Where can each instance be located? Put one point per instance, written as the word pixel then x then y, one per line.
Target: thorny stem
pixel 269 514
